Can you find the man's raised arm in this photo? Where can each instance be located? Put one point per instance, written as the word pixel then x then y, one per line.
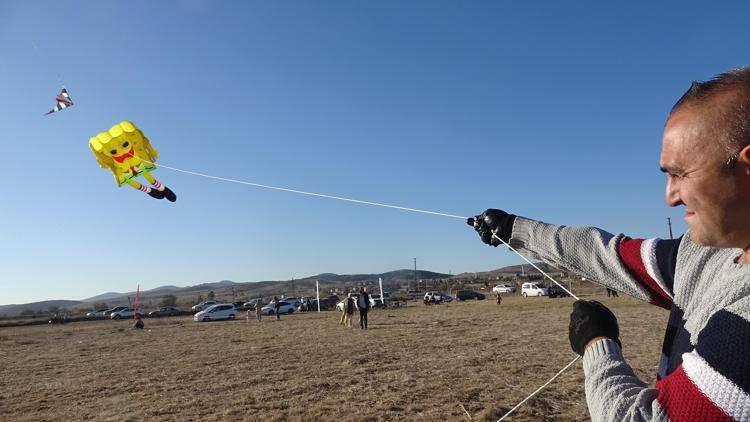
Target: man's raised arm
pixel 642 268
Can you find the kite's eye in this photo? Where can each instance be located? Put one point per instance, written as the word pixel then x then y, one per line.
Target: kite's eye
pixel 126 144
pixel 113 152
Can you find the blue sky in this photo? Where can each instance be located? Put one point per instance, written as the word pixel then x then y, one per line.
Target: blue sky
pixel 552 111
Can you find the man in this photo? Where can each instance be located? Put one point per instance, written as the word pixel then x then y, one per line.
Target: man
pixel 276 307
pixel 703 278
pixel 363 304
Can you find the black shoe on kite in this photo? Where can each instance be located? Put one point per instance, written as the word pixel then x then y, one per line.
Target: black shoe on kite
pixel 154 193
pixel 171 197
pixel 63 102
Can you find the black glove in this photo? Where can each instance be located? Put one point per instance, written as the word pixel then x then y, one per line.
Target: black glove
pixel 591 319
pixel 492 222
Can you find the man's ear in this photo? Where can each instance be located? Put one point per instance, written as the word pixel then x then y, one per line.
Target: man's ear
pixel 743 159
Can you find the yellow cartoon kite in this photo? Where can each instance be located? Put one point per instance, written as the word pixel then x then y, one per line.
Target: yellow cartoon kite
pixel 128 154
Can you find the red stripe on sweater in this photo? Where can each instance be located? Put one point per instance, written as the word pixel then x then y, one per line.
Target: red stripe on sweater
pixel 683 401
pixel 630 255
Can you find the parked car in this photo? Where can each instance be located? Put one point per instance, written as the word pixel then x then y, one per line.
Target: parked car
pixel 108 312
pixel 293 300
pixel 325 304
pixel 446 297
pixel 203 305
pixel 305 301
pixel 252 303
pixel 433 297
pixel 533 289
pixel 376 298
pixel 216 312
pixel 126 313
pixel 164 311
pixel 504 288
pixel 99 313
pixel 462 295
pixel 284 308
pixel 556 291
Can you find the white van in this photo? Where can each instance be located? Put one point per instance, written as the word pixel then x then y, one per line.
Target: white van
pixel 216 312
pixel 534 289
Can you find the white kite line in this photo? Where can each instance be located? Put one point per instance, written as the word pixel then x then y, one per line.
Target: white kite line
pixel 320 195
pixel 540 388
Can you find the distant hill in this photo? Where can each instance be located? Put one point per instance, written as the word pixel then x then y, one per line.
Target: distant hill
pixel 163 289
pixel 512 270
pixel 398 275
pixel 44 306
pixel 104 297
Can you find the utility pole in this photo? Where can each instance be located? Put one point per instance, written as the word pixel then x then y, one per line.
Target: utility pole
pixel 416 283
pixel 293 292
pixel 669 223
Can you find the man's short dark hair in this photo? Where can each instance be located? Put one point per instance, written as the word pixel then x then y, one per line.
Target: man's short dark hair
pixel 735 116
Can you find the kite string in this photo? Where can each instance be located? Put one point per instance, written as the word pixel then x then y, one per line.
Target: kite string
pixel 540 388
pixel 320 195
pixel 534 265
pixel 44 59
pixel 357 201
pixel 340 198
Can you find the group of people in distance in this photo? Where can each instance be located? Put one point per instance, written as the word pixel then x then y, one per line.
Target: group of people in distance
pixel 361 303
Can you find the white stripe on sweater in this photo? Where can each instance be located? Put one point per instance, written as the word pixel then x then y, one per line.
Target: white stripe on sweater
pixel 721 391
pixel 648 255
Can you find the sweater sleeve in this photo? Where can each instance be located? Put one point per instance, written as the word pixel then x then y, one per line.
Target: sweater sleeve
pixel 642 268
pixel 711 384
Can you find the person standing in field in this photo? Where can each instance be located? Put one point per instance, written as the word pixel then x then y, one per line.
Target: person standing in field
pixel 363 304
pixel 258 308
pixel 276 307
pixel 701 278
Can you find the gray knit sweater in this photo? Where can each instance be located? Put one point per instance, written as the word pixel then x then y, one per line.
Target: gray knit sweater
pixel 704 371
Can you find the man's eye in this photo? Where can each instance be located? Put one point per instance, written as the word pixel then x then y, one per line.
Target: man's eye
pixel 126 144
pixel 113 152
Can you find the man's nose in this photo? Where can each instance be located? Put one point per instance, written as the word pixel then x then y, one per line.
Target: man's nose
pixel 672 195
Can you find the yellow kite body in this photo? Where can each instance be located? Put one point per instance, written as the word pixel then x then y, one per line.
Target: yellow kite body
pixel 124 151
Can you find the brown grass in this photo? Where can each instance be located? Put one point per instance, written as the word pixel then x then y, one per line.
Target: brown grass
pixel 417 363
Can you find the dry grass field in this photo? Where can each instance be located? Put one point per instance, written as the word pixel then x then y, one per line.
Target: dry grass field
pixel 414 363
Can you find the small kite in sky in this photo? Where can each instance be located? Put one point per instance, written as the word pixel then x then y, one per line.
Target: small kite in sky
pixel 127 153
pixel 63 101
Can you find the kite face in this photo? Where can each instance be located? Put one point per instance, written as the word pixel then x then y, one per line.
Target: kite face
pixel 124 151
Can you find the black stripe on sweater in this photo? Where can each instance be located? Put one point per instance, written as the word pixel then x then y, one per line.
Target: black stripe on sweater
pixel 676 339
pixel 725 344
pixel 666 259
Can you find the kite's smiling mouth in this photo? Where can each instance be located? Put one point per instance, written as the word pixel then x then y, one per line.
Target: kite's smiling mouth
pixel 121 158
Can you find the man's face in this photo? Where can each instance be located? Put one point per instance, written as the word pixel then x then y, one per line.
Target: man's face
pixel 715 208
